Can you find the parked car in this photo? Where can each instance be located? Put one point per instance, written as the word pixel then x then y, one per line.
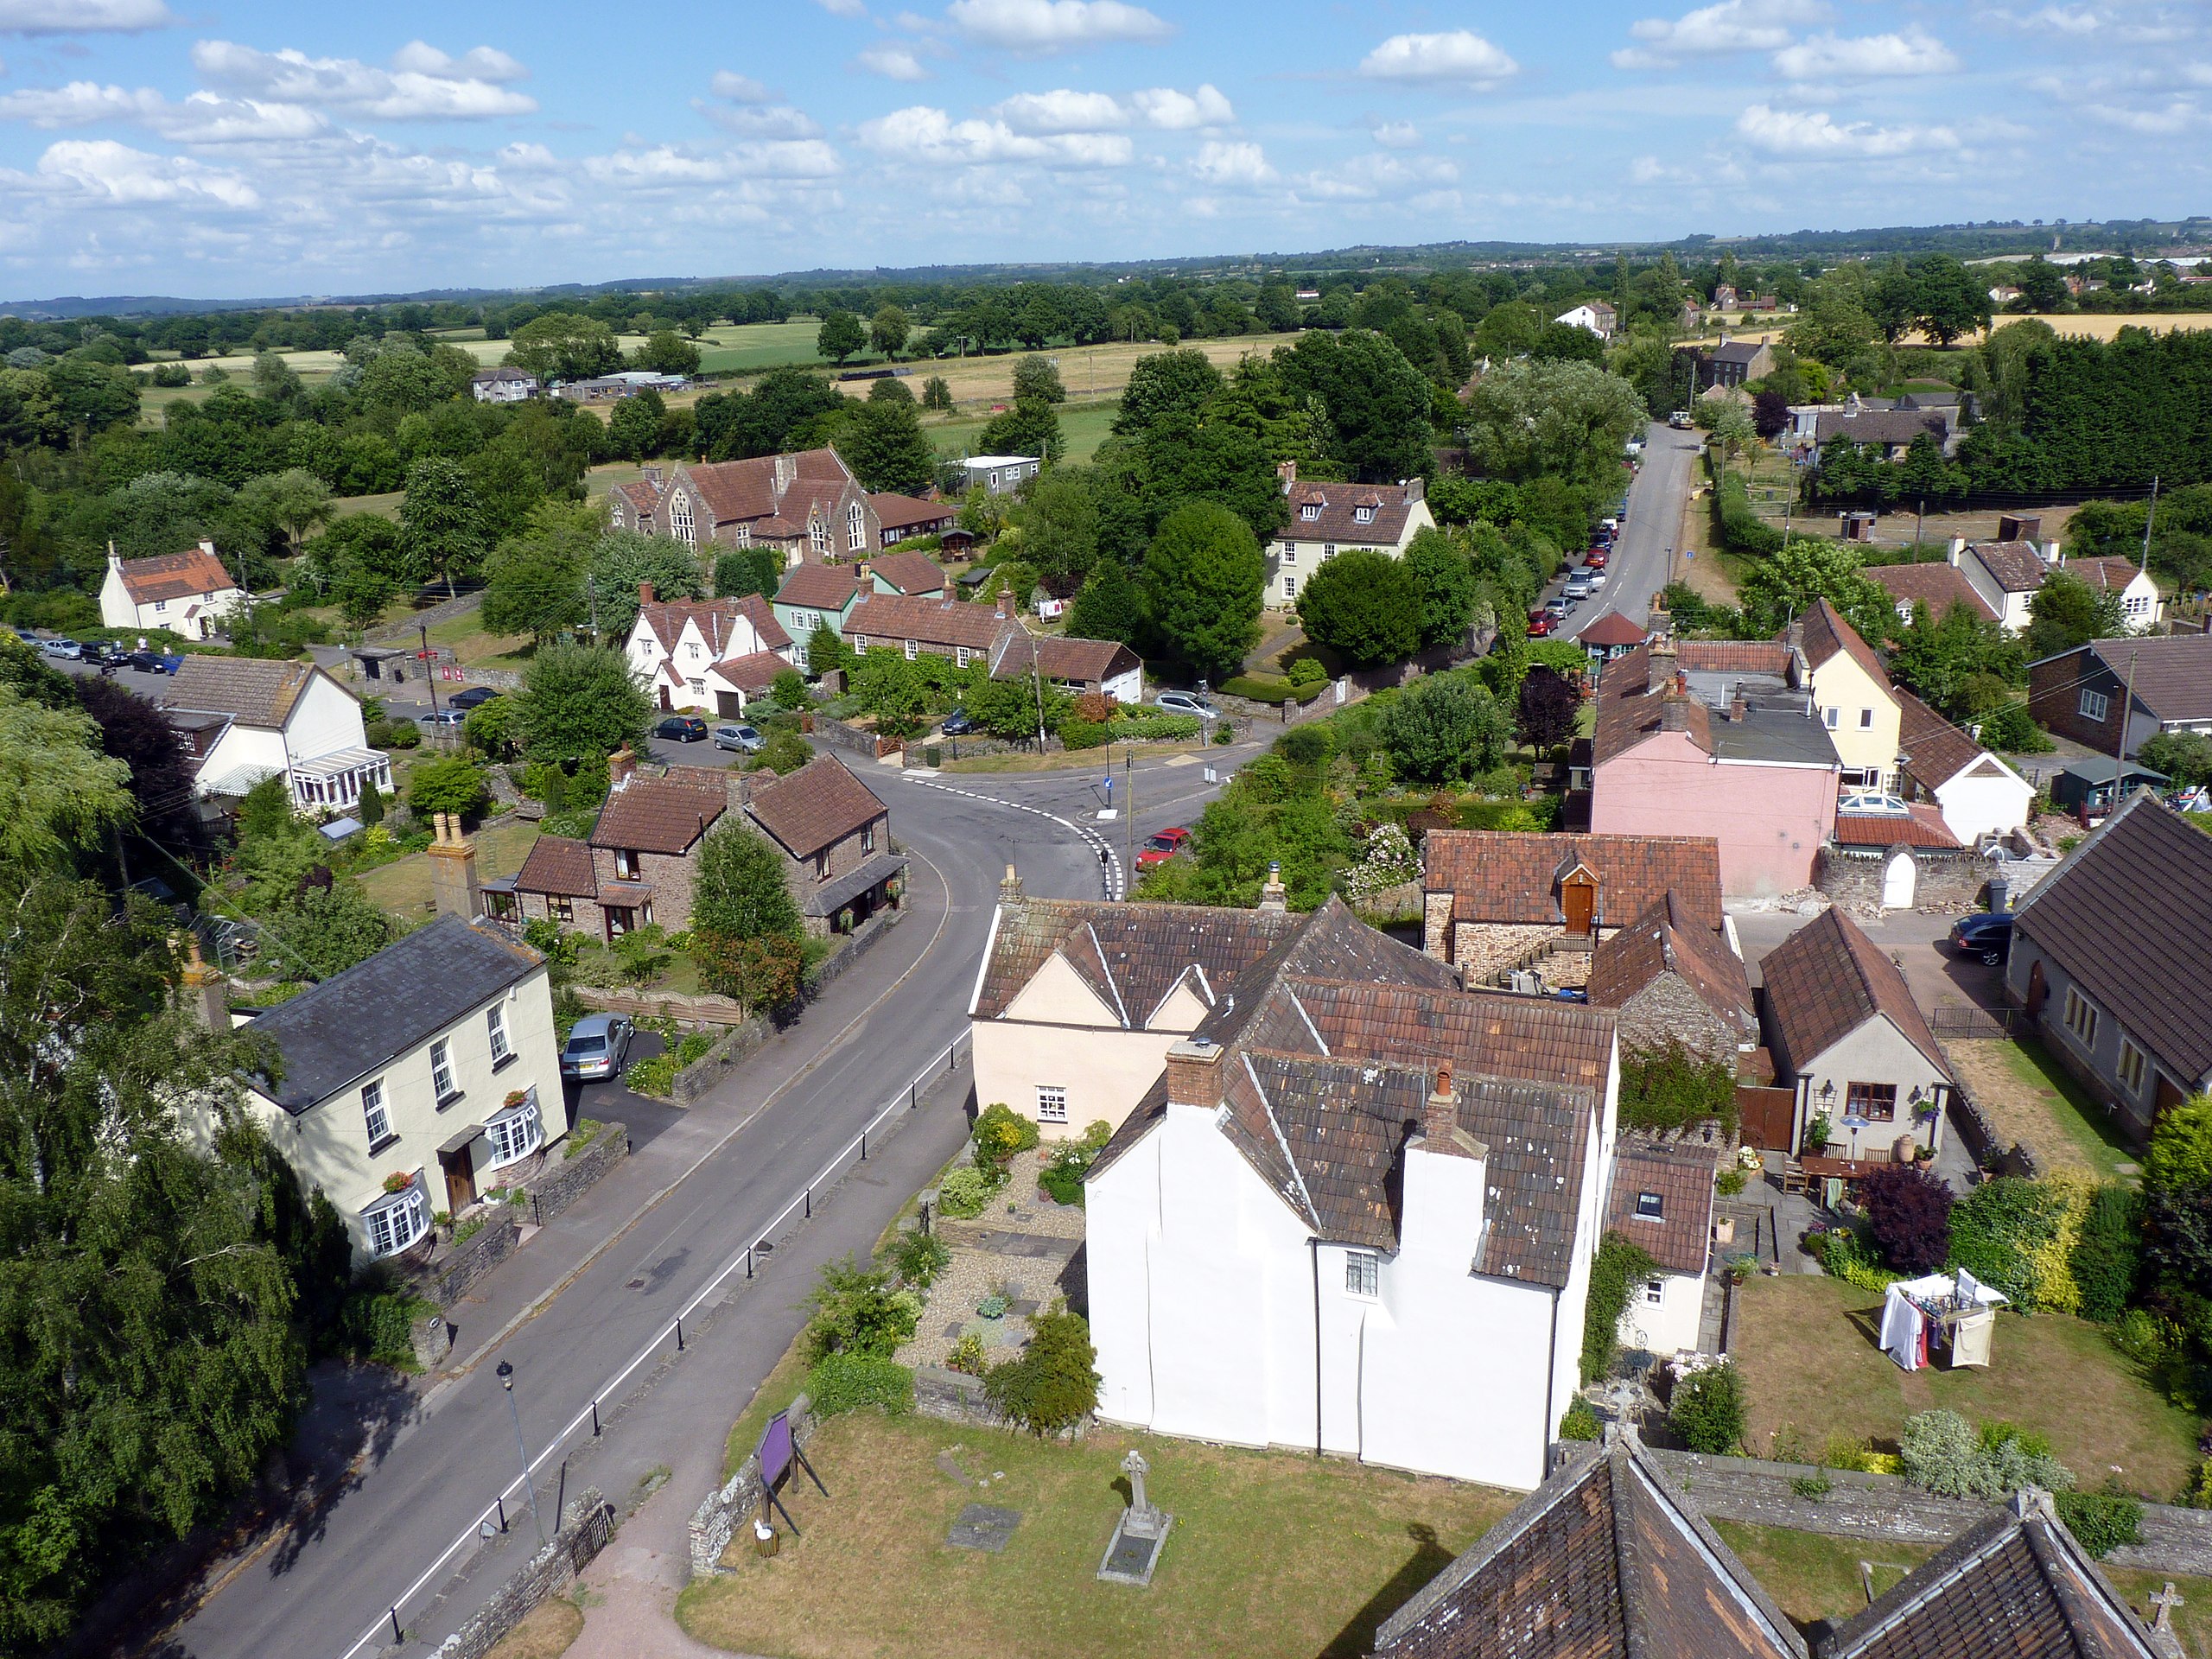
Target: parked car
pixel 742 739
pixel 1596 578
pixel 956 724
pixel 596 1047
pixel 1596 559
pixel 168 662
pixel 1680 420
pixel 68 648
pixel 452 719
pixel 1186 702
pixel 1158 849
pixel 475 697
pixel 1578 587
pixel 25 636
pixel 1558 607
pixel 1987 936
pixel 100 654
pixel 682 728
pixel 1541 624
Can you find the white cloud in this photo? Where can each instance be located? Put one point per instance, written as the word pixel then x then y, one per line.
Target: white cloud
pixel 670 164
pixel 292 77
pixel 741 89
pixel 203 119
pixel 1364 178
pixel 1396 135
pixel 1164 107
pixel 109 172
pixel 1053 25
pixel 893 63
pixel 843 7
pixel 81 16
pixel 922 134
pixel 1225 164
pixel 477 63
pixel 1815 133
pixel 1830 57
pixel 2182 115
pixel 1460 56
pixel 1710 31
pixel 760 120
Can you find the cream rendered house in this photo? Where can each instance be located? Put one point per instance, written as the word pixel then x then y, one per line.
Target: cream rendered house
pixel 1851 690
pixel 1325 519
pixel 190 592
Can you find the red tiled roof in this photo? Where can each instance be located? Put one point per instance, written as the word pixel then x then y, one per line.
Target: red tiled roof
pixel 910 573
pixel 1826 980
pixel 894 511
pixel 2105 575
pixel 644 495
pixel 1679 1172
pixel 1923 826
pixel 1826 633
pixel 755 673
pixel 816 806
pixel 1613 629
pixel 666 619
pixel 1060 657
pixel 736 491
pixel 1668 938
pixel 1337 508
pixel 1629 711
pixel 820 586
pixel 557 864
pixel 891 619
pixel 660 815
pixel 194 572
pixel 1506 876
pixel 1937 584
pixel 1731 655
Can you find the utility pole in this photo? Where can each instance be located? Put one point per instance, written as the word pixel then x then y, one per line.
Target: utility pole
pixel 2149 513
pixel 591 598
pixel 430 678
pixel 1919 518
pixel 2119 744
pixel 1128 821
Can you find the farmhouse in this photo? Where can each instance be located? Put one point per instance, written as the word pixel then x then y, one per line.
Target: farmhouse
pixel 188 593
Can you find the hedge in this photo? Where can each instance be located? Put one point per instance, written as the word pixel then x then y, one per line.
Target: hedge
pixel 1255 688
pixel 842 1383
pixel 1742 530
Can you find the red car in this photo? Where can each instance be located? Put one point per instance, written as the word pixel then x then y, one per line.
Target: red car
pixel 1541 624
pixel 1158 849
pixel 1595 559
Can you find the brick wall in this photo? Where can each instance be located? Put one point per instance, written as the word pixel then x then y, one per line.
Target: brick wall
pixel 583 1533
pixel 2054 690
pixel 566 1179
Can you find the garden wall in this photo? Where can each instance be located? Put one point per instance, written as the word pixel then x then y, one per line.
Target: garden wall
pixel 718 1062
pixel 666 1005
pixel 838 735
pixel 1942 881
pixel 445 1280
pixel 716 1520
pixel 571 1178
pixel 583 1533
pixel 1983 1144
pixel 860 941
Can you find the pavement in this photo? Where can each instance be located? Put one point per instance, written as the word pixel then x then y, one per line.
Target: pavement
pixel 1643 552
pixel 600 1286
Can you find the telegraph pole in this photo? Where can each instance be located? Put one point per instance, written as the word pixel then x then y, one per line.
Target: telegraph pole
pixel 1129 820
pixel 430 678
pixel 2149 513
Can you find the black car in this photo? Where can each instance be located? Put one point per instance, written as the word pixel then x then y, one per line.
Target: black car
pixel 682 728
pixel 144 661
pixel 1987 936
pixel 475 697
pixel 956 724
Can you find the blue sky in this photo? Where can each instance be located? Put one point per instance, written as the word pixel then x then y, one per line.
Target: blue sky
pixel 264 148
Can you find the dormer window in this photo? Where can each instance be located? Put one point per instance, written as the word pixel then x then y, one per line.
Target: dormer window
pixel 1363 515
pixel 1311 509
pixel 1650 1207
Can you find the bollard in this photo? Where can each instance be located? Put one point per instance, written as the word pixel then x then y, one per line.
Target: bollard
pixel 398 1634
pixel 502 1501
pixel 863 1145
pixel 594 1420
pixel 679 1333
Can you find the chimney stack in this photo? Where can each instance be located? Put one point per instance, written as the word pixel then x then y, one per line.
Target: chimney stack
pixel 453 888
pixel 1194 1073
pixel 1659 671
pixel 1010 885
pixel 1675 705
pixel 620 765
pixel 1271 895
pixel 1003 598
pixel 2018 526
pixel 645 592
pixel 1440 1130
pixel 1958 549
pixel 1736 710
pixel 1287 473
pixel 205 994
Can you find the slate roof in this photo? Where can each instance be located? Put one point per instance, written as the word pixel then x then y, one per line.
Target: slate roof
pixel 559 865
pixel 253 692
pixel 896 511
pixel 660 815
pixel 895 618
pixel 815 807
pixel 911 572
pixel 1679 1170
pixel 1922 825
pixel 1504 876
pixel 1613 629
pixel 1828 979
pixel 1337 507
pixel 1604 1561
pixel 2128 916
pixel 2017 567
pixel 2019 1586
pixel 820 586
pixel 1133 954
pixel 339 1031
pixel 1878 426
pixel 188 575
pixel 1669 937
pixel 1937 584
pixel 1745 352
pixel 644 495
pixel 2173 672
pixel 1824 633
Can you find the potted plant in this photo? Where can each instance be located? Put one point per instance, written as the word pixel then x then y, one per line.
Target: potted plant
pixel 399 1181
pixel 515 1098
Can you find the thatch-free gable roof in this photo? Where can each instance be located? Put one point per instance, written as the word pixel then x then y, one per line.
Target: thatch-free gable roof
pixel 1828 979
pixel 252 690
pixel 195 573
pixel 815 807
pixel 1669 937
pixel 1505 876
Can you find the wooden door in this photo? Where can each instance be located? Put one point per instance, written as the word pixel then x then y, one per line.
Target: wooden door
pixel 1766 1116
pixel 460 1177
pixel 1579 899
pixel 2039 991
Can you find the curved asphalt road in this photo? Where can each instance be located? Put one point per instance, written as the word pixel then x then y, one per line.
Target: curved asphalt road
pixel 1643 551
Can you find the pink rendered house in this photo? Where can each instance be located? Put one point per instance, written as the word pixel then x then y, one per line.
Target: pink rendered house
pixel 1715 746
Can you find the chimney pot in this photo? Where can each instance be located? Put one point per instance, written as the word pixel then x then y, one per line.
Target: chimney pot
pixel 620 765
pixel 1272 895
pixel 453 889
pixel 1441 1129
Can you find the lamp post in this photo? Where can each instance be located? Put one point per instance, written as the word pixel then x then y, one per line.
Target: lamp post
pixel 507 1376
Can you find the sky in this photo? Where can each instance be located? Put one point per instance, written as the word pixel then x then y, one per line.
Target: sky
pixel 262 149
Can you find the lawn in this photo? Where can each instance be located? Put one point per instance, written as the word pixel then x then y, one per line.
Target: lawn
pixel 1272 1553
pixel 472 647
pixel 547 1631
pixel 403 886
pixel 746 349
pixel 2030 1097
pixel 1812 1576
pixel 1811 1367
pixel 1084 426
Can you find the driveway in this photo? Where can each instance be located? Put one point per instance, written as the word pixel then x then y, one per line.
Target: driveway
pixel 610 1101
pixel 1939 976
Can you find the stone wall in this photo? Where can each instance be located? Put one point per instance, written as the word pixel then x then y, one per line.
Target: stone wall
pixel 1482 949
pixel 859 942
pixel 1668 1010
pixel 1944 880
pixel 565 1179
pixel 1401 903
pixel 446 1279
pixel 838 735
pixel 583 1533
pixel 717 1519
pixel 1884 1509
pixel 709 1071
pixel 1982 1142
pixel 954 1396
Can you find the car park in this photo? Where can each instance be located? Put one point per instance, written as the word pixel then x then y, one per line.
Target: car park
pixel 475 697
pixel 1186 702
pixel 1541 624
pixel 596 1047
pixel 682 728
pixel 956 724
pixel 743 739
pixel 1158 849
pixel 1987 936
pixel 65 648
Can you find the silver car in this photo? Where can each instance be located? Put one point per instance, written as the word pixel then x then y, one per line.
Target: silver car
pixel 1186 702
pixel 741 738
pixel 596 1047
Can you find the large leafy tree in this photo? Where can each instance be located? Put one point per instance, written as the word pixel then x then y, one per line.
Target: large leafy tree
pixel 882 442
pixel 1445 728
pixel 565 346
pixel 1377 404
pixel 887 331
pixel 2067 612
pixel 133 731
pixel 1444 576
pixel 841 335
pixel 1566 420
pixel 750 569
pixel 1059 526
pixel 579 702
pixel 1032 427
pixel 782 405
pixel 441 521
pixel 1108 607
pixel 534 581
pixel 621 559
pixel 1785 585
pixel 57 789
pixel 1203 576
pixel 1163 385
pixel 743 917
pixel 293 503
pixel 1365 606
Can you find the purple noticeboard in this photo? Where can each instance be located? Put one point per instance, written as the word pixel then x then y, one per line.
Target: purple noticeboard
pixel 775 1448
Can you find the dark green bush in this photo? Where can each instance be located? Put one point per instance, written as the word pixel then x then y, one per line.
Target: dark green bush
pixel 1671 1088
pixel 842 1383
pixel 2105 1256
pixel 376 1322
pixel 1000 1133
pixel 1742 530
pixel 1707 1410
pixel 1581 1422
pixel 1256 688
pixel 920 1257
pixel 857 1311
pixel 1084 733
pixel 1054 1384
pixel 1619 1268
pixel 2101 1521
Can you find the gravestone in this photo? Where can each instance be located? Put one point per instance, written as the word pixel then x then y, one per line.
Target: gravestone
pixel 1139 1532
pixel 984 1527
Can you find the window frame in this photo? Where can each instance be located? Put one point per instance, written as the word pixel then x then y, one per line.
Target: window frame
pixel 1655 1291
pixel 1867 1100
pixel 1290 552
pixel 442 1086
pixel 1051 1102
pixel 509 1146
pixel 1650 1206
pixel 495 1029
pixel 385 1239
pixel 1865 720
pixel 855 527
pixel 2134 1065
pixel 1830 718
pixel 2103 705
pixel 680 524
pixel 560 907
pixel 1290 586
pixel 2080 1018
pixel 1364 1275
pixel 376 1116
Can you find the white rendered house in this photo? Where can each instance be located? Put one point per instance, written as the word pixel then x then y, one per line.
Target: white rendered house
pixel 1325 519
pixel 1359 1218
pixel 715 655
pixel 247 719
pixel 1663 1204
pixel 1977 793
pixel 190 592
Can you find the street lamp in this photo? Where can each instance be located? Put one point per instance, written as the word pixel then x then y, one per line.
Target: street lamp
pixel 505 1373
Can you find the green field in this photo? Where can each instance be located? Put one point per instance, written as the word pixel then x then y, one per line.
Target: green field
pixel 745 348
pixel 1085 425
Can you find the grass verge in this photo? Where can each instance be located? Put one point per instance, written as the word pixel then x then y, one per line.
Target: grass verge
pixel 2031 1097
pixel 1813 1577
pixel 547 1631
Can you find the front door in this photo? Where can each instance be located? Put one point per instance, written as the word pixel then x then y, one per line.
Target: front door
pixel 666 707
pixel 2039 991
pixel 1579 899
pixel 460 1177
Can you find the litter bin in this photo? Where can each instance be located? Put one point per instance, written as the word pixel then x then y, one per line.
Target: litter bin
pixel 930 755
pixel 764 1541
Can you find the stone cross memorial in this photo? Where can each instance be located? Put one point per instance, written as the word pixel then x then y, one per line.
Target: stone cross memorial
pixel 1140 1531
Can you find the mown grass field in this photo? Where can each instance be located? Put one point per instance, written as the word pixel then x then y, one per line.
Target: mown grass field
pixel 1085 427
